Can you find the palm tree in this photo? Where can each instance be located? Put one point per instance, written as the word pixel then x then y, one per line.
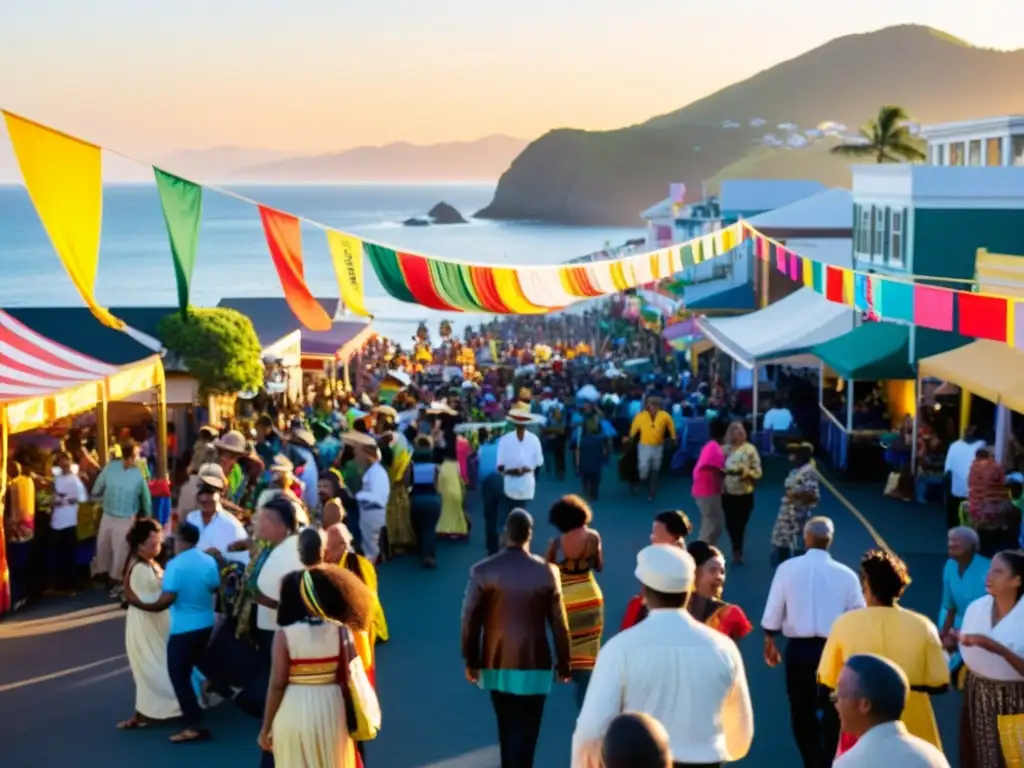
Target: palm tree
pixel 887 138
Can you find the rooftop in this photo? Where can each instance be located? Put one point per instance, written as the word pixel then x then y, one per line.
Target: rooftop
pixel 751 196
pixel 831 209
pixel 942 186
pixel 1002 124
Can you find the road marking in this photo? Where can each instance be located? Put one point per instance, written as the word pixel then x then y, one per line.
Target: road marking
pixel 56 675
pixel 882 543
pixel 488 757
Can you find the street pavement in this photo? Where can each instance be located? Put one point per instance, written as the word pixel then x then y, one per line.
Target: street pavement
pixel 65 682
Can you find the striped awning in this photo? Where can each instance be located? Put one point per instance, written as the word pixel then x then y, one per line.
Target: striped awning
pixel 32 365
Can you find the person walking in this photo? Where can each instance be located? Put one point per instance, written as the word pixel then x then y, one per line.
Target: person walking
pixel 808 593
pixel 425 502
pixel 742 471
pixel 688 676
pixel 512 599
pixel 708 477
pixel 870 697
pixel 520 456
pixel 652 428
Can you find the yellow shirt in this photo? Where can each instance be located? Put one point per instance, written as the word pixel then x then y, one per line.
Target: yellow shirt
pixel 907 638
pixel 746 460
pixel 652 430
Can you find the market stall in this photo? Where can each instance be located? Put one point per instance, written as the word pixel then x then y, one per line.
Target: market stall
pixel 872 352
pixel 42 382
pixel 782 333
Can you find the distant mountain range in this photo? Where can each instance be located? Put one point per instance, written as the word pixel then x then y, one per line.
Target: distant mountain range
pixel 607 177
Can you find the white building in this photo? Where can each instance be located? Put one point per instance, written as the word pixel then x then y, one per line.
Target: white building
pixel 990 142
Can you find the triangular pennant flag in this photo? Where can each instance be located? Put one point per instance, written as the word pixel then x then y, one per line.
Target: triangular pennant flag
pixel 64 178
pixel 182 203
pixel 284 237
pixel 347 256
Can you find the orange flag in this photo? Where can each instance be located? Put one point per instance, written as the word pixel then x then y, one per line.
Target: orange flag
pixel 284 237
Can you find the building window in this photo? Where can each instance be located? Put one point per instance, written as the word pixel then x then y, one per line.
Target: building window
pixel 896 242
pixel 939 154
pixel 864 230
pixel 1017 151
pixel 878 249
pixel 974 153
pixel 956 153
pixel 994 152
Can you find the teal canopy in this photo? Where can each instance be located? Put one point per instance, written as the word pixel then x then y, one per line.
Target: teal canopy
pixel 872 351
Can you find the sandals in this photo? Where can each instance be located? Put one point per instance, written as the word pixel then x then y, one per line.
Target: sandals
pixel 189 735
pixel 134 723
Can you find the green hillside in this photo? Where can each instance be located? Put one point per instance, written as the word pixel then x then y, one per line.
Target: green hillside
pixel 607 177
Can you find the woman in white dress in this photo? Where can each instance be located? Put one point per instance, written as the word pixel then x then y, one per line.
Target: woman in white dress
pixel 145 632
pixel 305 724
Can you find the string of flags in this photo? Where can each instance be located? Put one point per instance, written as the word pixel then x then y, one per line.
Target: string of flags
pixel 63 176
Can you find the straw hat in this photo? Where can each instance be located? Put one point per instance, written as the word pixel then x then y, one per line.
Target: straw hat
pixel 359 440
pixel 281 464
pixel 386 411
pixel 439 407
pixel 302 437
pixel 232 442
pixel 520 415
pixel 212 475
pixel 209 432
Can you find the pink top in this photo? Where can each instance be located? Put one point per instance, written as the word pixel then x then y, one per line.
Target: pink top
pixel 706 480
pixel 462 451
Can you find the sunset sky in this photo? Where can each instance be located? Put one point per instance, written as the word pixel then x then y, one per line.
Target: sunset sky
pixel 322 75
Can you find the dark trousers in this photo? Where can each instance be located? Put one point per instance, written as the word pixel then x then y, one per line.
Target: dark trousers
pixel 737 510
pixel 496 508
pixel 953 510
pixel 591 484
pixel 185 652
pixel 64 551
pixel 518 727
pixel 425 509
pixel 19 567
pixel 813 718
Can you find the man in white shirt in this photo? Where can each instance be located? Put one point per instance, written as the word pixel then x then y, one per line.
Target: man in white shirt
pixel 870 697
pixel 68 492
pixel 669 666
pixel 520 455
pixel 778 419
pixel 373 496
pixel 959 458
pixel 218 528
pixel 807 595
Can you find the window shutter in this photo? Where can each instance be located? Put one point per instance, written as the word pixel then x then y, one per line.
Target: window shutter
pixel 887 235
pixel 856 227
pixel 904 234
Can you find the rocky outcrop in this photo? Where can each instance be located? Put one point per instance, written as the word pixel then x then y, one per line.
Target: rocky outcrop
pixel 415 222
pixel 442 213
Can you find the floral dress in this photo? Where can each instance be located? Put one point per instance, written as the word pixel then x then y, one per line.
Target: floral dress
pixel 788 532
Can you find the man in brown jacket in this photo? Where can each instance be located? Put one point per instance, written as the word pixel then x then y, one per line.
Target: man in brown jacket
pixel 511 599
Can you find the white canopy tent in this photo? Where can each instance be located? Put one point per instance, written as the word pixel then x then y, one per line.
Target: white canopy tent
pixel 783 332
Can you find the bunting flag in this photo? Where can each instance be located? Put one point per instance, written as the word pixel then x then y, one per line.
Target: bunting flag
pixel 182 203
pixel 933 308
pixel 347 257
pixel 64 178
pixel 984 317
pixel 284 238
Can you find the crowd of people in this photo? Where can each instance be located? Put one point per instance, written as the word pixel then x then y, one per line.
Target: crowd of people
pixel 261 587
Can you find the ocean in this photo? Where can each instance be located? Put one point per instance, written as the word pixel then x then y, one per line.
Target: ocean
pixel 135 262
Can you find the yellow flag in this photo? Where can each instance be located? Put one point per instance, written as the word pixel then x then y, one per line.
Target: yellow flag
pixel 347 255
pixel 64 178
pixel 848 288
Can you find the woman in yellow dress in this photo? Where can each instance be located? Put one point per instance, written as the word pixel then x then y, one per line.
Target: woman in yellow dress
pixel 304 723
pixel 146 633
pixel 453 523
pixel 397 459
pixel 884 628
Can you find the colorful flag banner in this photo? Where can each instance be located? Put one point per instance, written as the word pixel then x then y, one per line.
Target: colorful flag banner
pixel 347 257
pixel 984 317
pixel 933 308
pixel 182 204
pixel 64 178
pixel 284 238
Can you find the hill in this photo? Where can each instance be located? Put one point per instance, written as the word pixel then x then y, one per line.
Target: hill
pixel 480 160
pixel 217 163
pixel 606 177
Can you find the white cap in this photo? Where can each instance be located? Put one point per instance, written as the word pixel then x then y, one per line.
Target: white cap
pixel 665 568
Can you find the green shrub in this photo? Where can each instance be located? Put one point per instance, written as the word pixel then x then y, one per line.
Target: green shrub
pixel 218 346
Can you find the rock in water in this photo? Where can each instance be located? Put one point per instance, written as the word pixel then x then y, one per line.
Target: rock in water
pixel 415 223
pixel 442 213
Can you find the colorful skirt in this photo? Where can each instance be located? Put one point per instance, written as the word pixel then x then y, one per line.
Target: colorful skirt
pixel 401 538
pixel 984 702
pixel 453 523
pixel 584 606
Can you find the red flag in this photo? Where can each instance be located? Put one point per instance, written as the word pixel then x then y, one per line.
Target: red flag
pixel 983 317
pixel 284 237
pixel 834 284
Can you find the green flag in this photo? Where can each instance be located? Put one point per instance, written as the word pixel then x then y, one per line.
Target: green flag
pixel 182 202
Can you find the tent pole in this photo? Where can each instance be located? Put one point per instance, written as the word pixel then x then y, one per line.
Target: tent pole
pixel 756 372
pixel 849 405
pixel 161 425
pixel 917 418
pixel 102 428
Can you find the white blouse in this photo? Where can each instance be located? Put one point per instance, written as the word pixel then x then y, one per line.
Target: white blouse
pixel 1008 632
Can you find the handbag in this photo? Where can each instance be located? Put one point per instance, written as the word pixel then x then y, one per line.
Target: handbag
pixel 1011 739
pixel 362 708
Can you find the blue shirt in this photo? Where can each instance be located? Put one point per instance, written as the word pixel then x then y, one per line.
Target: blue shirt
pixel 487 459
pixel 193 577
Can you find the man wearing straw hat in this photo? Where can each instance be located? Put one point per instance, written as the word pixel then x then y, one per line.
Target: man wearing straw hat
pixel 373 496
pixel 520 455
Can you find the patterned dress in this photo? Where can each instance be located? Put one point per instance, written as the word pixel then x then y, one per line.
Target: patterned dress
pixel 788 532
pixel 584 602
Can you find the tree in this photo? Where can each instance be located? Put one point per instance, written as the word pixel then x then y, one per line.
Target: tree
pixel 219 347
pixel 887 138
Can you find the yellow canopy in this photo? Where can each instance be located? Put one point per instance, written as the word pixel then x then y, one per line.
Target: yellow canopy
pixel 988 369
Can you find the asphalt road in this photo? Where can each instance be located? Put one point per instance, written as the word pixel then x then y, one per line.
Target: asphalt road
pixel 65 682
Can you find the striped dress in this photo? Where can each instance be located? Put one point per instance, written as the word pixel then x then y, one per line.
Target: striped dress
pixel 584 603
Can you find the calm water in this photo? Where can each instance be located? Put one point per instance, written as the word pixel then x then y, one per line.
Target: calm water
pixel 135 261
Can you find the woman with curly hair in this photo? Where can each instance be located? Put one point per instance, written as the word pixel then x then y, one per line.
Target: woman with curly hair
pixel 305 723
pixel 887 629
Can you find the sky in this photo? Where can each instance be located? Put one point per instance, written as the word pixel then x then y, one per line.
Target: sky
pixel 312 76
